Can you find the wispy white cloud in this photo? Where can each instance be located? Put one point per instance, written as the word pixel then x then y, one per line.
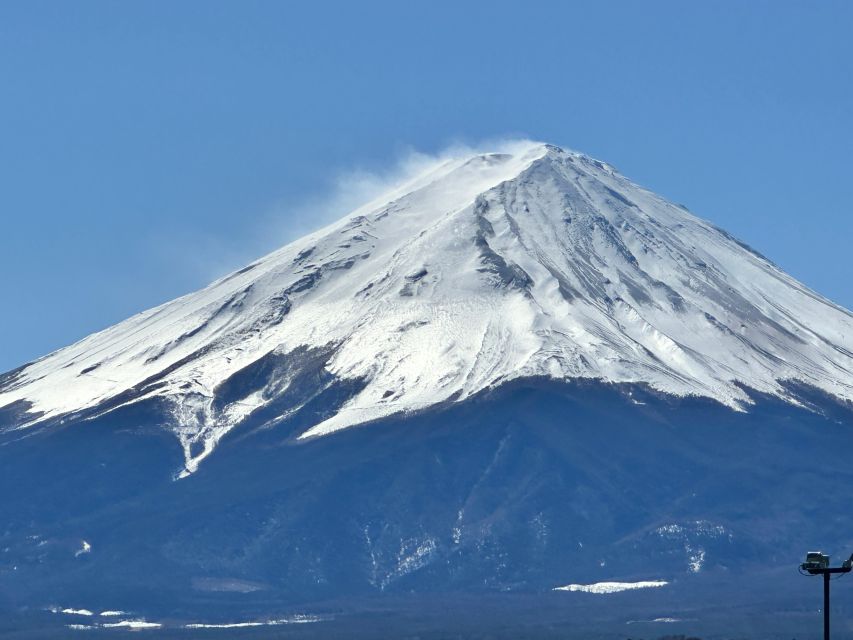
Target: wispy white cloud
pixel 350 189
pixel 204 256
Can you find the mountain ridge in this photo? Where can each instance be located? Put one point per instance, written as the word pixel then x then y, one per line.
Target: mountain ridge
pixel 484 269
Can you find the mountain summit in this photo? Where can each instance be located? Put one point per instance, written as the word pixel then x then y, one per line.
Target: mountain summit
pixel 484 269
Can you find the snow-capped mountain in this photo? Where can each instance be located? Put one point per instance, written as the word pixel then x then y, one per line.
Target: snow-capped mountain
pixel 484 269
pixel 570 382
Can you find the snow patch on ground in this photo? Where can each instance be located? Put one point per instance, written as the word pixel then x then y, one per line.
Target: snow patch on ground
pixel 132 624
pixel 695 558
pixel 665 620
pixel 298 619
pixel 613 587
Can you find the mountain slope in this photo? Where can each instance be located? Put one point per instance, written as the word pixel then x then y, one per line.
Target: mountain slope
pixel 529 486
pixel 538 262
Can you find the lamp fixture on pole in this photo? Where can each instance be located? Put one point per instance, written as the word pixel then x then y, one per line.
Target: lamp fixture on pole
pixel 817 564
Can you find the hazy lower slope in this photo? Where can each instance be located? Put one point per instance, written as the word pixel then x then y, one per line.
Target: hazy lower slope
pixel 540 262
pixel 511 493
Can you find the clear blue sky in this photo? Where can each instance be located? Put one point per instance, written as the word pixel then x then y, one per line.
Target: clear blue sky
pixel 146 147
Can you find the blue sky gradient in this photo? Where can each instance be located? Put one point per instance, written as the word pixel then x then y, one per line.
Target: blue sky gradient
pixel 149 147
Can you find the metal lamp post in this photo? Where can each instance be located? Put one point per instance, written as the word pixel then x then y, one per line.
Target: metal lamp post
pixel 817 564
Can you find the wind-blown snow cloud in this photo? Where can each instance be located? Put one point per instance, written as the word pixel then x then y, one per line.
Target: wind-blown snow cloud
pixel 294 216
pixel 350 189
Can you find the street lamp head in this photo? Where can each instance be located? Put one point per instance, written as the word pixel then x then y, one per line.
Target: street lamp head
pixel 816 560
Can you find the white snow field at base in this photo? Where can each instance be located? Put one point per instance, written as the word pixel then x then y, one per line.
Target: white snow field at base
pixel 131 624
pixel 534 261
pixel 297 619
pixel 613 587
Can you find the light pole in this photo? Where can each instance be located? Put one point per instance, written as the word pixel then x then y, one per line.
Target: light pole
pixel 817 564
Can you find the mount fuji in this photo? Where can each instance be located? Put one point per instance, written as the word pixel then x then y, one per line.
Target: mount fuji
pixel 512 377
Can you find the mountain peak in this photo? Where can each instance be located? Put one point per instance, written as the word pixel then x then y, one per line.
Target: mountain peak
pixel 530 261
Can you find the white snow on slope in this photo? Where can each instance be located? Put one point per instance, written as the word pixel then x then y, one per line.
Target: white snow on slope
pixel 486 268
pixel 613 587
